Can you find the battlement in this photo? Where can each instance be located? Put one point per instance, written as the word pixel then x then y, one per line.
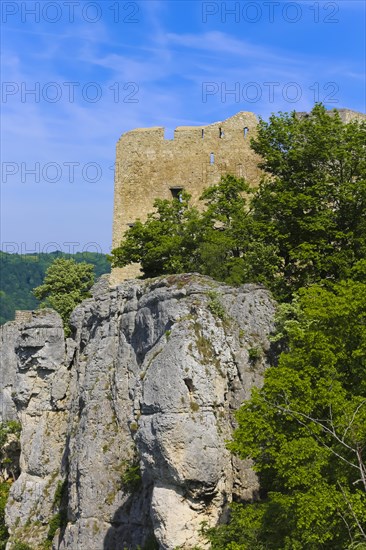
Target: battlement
pixel 235 125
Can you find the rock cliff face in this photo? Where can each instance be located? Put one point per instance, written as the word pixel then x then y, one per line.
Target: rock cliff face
pixel 124 425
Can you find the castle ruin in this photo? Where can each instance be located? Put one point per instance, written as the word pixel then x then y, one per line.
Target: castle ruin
pixel 149 166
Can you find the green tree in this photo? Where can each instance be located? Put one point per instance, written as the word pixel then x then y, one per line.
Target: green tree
pixel 4 493
pixel 9 466
pixel 312 205
pixel 165 243
pixel 229 243
pixel 20 273
pixel 305 224
pixel 305 429
pixel 217 241
pixel 66 284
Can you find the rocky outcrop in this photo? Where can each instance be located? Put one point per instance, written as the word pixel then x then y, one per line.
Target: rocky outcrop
pixel 124 427
pixel 8 370
pixel 39 380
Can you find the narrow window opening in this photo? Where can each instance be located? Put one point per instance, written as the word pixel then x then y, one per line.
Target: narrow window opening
pixel 246 130
pixel 221 133
pixel 130 224
pixel 212 158
pixel 202 133
pixel 176 192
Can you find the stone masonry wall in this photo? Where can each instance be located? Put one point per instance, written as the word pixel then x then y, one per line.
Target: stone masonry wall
pixel 149 166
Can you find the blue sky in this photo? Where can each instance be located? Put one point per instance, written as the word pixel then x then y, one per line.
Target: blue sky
pixel 78 74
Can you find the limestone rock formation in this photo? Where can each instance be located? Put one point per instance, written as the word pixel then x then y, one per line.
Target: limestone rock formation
pixel 124 426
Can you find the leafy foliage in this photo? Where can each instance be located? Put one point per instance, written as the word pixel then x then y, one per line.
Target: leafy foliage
pixel 4 534
pixel 59 519
pixel 66 284
pixel 215 305
pixel 312 206
pixel 20 273
pixel 18 545
pixel 131 477
pixel 165 242
pixel 218 242
pixel 9 457
pixel 305 224
pixel 306 432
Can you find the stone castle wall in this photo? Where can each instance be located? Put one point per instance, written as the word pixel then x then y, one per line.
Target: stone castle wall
pixel 346 115
pixel 149 166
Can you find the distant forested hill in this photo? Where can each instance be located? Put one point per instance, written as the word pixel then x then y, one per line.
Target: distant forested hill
pixel 20 273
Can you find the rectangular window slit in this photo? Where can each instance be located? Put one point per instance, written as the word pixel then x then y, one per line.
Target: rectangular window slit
pixel 176 192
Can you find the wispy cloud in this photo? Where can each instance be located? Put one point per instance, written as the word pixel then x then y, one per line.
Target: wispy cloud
pixel 222 43
pixel 168 54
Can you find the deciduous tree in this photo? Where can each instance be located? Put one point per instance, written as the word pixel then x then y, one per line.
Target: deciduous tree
pixel 65 285
pixel 305 429
pixel 312 205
